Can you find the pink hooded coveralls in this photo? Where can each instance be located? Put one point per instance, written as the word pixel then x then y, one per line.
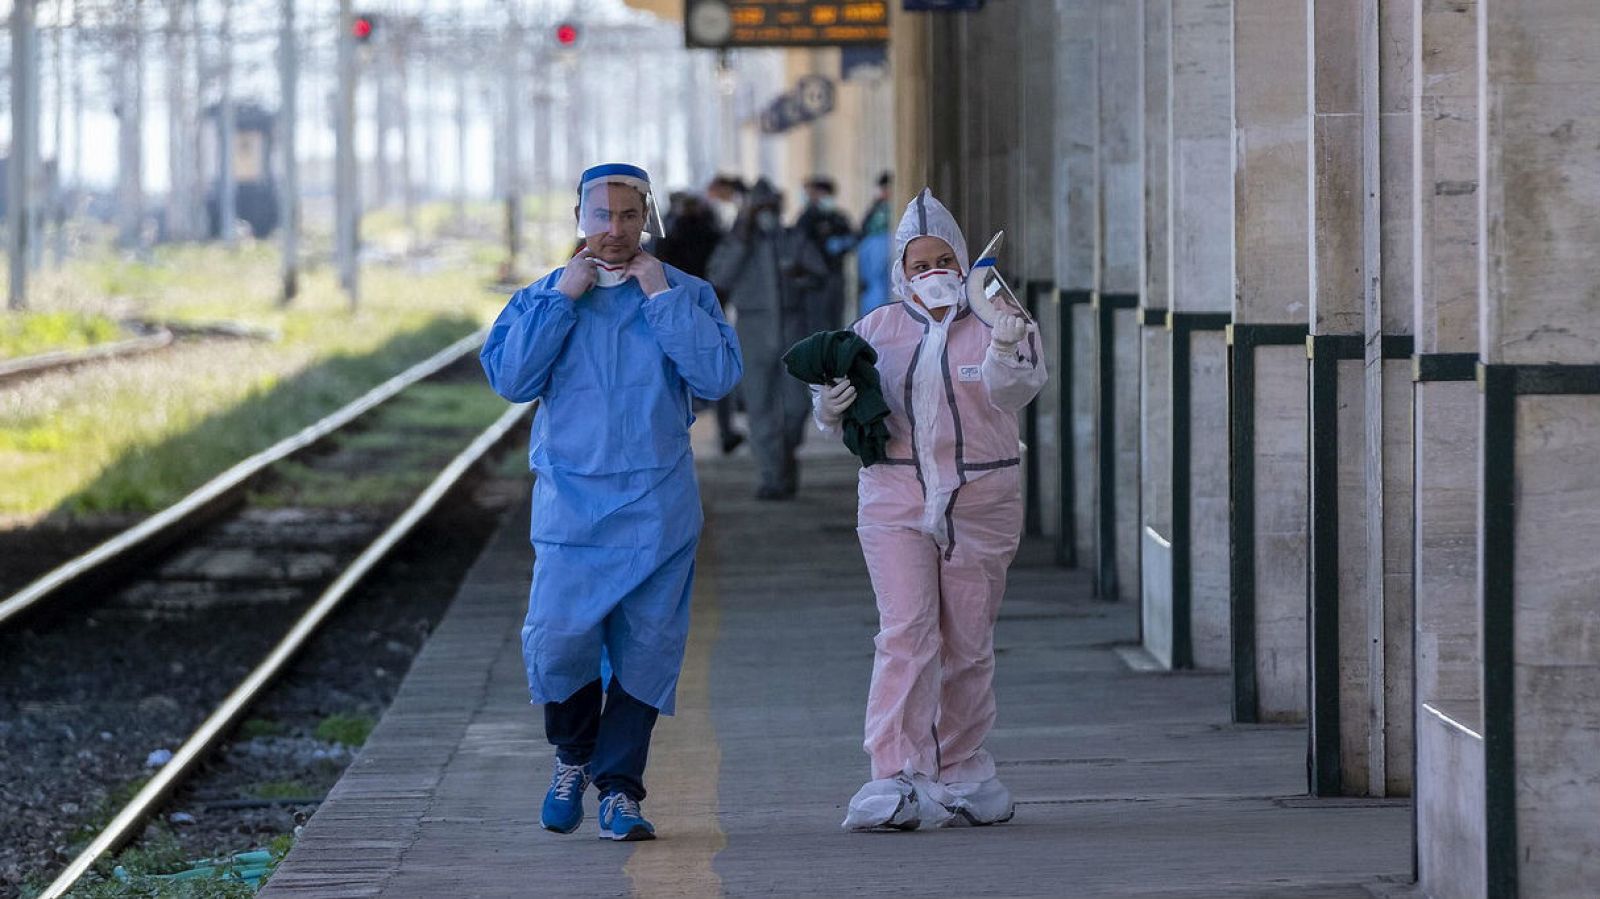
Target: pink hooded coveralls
pixel 939 520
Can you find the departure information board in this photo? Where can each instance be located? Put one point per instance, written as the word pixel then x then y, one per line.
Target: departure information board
pixel 785 23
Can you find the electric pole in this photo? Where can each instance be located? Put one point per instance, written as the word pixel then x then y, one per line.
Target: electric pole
pixel 513 179
pixel 288 112
pixel 461 133
pixel 227 191
pixel 24 141
pixel 130 124
pixel 347 197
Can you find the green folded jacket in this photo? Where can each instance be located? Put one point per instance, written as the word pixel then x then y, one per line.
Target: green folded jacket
pixel 826 355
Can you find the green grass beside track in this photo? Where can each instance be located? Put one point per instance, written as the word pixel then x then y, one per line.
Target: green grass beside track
pixel 29 334
pixel 133 435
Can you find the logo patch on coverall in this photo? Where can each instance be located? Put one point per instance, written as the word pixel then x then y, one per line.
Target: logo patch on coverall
pixel 970 373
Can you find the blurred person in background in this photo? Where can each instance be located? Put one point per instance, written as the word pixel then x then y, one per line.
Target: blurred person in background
pixel 772 274
pixel 726 195
pixel 872 252
pixel 693 232
pixel 829 231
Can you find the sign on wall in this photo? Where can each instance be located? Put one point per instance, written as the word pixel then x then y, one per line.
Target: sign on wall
pixel 811 99
pixel 717 24
pixel 941 5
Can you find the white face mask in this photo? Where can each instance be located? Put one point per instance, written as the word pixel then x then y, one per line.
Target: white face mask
pixel 938 287
pixel 608 275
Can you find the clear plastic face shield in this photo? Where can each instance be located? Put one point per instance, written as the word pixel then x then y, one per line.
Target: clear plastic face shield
pixel 616 212
pixel 987 292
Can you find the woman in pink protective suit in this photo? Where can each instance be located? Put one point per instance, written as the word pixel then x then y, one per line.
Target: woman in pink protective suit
pixel 939 521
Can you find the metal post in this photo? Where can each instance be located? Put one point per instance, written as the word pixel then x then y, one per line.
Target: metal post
pixel 513 177
pixel 130 102
pixel 461 138
pixel 346 195
pixel 35 170
pixel 543 124
pixel 402 66
pixel 77 97
pixel 58 212
pixel 178 165
pixel 727 123
pixel 24 122
pixel 227 189
pixel 288 111
pixel 380 112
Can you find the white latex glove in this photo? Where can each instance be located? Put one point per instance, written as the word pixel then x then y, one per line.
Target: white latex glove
pixel 836 397
pixel 1008 332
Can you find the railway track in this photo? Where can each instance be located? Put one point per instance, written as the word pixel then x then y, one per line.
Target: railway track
pixel 153 336
pixel 252 544
pixel 115 556
pixel 20 369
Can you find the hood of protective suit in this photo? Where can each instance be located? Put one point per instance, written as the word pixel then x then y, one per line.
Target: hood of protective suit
pixel 925 217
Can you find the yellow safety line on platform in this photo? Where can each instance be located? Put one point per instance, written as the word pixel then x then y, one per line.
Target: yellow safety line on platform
pixel 685 765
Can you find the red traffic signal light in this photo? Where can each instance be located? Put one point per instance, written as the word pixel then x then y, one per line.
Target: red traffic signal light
pixel 362 27
pixel 566 34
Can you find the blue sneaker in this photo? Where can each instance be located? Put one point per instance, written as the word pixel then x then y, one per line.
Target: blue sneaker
pixel 621 819
pixel 563 802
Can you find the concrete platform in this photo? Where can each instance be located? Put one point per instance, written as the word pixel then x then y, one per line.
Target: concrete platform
pixel 1128 783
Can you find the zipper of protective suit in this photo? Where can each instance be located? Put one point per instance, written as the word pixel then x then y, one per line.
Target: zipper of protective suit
pixel 926 391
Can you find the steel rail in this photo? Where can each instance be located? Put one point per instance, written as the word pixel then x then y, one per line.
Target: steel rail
pixel 27 366
pixel 194 749
pixel 227 484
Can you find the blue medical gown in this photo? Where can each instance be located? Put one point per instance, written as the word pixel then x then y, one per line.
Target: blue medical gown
pixel 616 508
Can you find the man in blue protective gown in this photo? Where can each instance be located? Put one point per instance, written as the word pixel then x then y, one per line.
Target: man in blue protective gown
pixel 613 345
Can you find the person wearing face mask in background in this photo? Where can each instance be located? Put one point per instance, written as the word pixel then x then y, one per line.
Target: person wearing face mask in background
pixel 939 521
pixel 829 231
pixel 872 251
pixel 693 232
pixel 726 194
pixel 613 345
pixel 771 273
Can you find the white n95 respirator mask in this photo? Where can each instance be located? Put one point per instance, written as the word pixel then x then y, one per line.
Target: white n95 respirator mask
pixel 608 275
pixel 939 287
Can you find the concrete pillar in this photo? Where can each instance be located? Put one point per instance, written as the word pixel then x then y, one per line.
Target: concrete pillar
pixel 1268 364
pixel 1337 571
pixel 1540 503
pixel 1032 232
pixel 909 74
pixel 1449 722
pixel 1121 215
pixel 1185 608
pixel 1077 232
pixel 1155 438
pixel 1360 434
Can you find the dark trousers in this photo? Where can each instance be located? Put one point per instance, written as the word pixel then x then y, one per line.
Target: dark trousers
pixel 614 741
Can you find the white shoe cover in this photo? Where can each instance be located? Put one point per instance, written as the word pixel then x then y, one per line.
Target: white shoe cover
pixel 981 802
pixel 898 803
